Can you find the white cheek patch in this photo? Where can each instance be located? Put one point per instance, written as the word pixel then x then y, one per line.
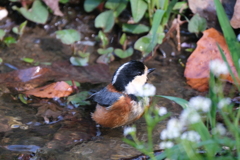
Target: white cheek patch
pixel 137 83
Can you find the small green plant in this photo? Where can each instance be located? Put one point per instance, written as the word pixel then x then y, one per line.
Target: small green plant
pixel 197 24
pixel 38 13
pixel 20 30
pixel 158 13
pixel 69 37
pixel 79 99
pixel 7 40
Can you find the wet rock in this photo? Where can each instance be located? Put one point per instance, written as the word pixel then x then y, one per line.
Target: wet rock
pixel 206 9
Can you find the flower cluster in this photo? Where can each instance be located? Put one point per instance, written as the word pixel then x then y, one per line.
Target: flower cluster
pixel 162 111
pixel 200 103
pixel 129 130
pixel 176 127
pixel 224 102
pixel 146 91
pixel 218 67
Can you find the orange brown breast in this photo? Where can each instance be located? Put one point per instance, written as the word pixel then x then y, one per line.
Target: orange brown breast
pixel 115 115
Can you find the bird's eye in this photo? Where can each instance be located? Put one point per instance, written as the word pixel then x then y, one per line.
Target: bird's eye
pixel 139 73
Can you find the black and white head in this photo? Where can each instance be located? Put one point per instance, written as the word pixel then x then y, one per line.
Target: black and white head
pixel 130 77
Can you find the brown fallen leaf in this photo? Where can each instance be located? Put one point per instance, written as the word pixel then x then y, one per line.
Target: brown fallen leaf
pixel 197 66
pixel 49 110
pixel 53 4
pixel 26 79
pixel 54 90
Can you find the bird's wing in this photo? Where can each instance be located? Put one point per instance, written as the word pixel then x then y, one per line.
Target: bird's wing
pixel 105 98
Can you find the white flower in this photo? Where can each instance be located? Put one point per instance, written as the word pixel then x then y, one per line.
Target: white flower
pixel 200 103
pixel 189 116
pixel 219 129
pixel 167 144
pixel 164 134
pixel 146 91
pixel 191 136
pixel 218 67
pixel 224 102
pixel 128 130
pixel 238 37
pixel 162 111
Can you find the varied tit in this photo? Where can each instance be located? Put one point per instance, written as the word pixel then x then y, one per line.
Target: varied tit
pixel 117 103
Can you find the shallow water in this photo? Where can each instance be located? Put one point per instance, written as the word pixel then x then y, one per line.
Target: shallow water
pixel 76 137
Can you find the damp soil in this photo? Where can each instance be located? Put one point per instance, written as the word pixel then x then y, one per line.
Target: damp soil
pixel 22 132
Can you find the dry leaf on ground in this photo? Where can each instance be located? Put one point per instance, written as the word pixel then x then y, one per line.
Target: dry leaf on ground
pixel 197 67
pixel 54 90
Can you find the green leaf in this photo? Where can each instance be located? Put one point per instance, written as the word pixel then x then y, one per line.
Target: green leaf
pixel 22 27
pixel 79 99
pixel 180 5
pixel 168 11
pixel 15 30
pixel 123 54
pixel 105 20
pixel 142 44
pixel 90 5
pixel 123 39
pixel 63 1
pixel 103 39
pixel 147 43
pixel 83 54
pixel 22 98
pixel 161 34
pixel 197 24
pixel 105 51
pixel 38 13
pixel 9 40
pixel 71 83
pixel 68 36
pixel 2 34
pixel 182 102
pixel 117 6
pixel 138 8
pixel 28 60
pixel 229 34
pixel 135 28
pixel 1 60
pixel 78 61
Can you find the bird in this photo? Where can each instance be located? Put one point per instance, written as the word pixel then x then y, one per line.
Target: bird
pixel 118 103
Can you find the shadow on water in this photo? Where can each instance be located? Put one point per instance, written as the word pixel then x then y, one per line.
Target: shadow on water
pixel 76 136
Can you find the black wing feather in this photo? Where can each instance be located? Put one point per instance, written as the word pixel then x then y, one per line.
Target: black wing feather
pixel 105 98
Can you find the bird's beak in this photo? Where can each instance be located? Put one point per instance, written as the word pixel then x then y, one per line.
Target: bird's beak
pixel 151 70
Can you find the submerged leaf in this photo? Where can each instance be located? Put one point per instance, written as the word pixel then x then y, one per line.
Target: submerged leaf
pixel 54 90
pixel 79 99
